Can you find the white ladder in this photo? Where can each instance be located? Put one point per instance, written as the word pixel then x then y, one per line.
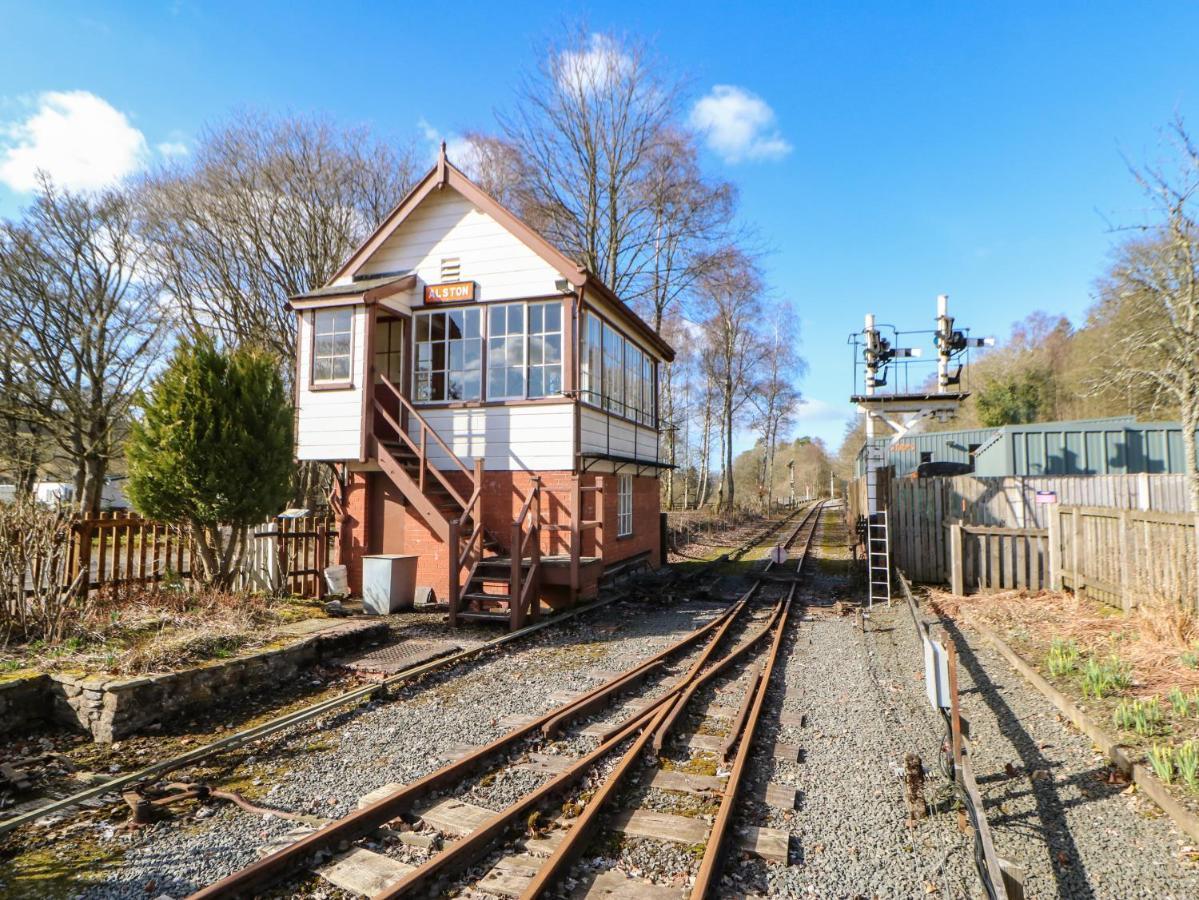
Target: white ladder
pixel 878 557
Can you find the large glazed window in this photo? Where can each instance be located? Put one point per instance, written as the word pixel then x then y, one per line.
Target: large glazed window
pixel 592 366
pixel 332 345
pixel 506 352
pixel 524 350
pixel 648 394
pixel 615 373
pixel 613 370
pixel 449 356
pixel 545 349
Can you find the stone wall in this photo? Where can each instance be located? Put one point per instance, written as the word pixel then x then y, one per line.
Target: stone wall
pixel 111 708
pixel 23 701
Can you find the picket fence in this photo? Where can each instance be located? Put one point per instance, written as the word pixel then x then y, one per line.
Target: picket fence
pixel 121 548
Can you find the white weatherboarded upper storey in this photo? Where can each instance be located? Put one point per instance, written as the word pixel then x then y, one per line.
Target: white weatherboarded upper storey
pixel 446 231
pixel 446 225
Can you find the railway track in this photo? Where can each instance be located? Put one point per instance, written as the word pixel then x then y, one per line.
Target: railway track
pixel 719 672
pixel 148 774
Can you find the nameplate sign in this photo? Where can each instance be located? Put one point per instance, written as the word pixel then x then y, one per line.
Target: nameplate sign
pixel 453 292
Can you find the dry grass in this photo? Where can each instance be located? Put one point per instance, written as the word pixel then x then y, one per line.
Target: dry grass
pixel 152 629
pixel 1154 639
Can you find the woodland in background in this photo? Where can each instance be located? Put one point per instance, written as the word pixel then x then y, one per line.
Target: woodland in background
pixel 96 288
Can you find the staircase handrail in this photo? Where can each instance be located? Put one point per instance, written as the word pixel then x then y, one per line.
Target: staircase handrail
pixel 425 427
pixel 418 450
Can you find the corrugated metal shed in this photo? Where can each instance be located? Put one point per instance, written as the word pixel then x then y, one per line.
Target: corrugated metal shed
pixel 1116 446
pixel 936 446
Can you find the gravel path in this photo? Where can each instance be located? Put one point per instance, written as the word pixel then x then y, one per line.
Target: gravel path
pixel 1049 801
pixel 849 836
pixel 323 768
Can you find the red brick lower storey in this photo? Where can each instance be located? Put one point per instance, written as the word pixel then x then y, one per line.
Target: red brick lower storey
pixel 379 521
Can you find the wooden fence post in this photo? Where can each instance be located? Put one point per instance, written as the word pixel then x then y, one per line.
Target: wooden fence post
pixel 1124 560
pixel 1075 544
pixel 83 555
pixel 1055 548
pixel 957 579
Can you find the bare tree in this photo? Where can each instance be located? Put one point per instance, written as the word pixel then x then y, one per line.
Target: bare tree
pixel 74 285
pixel 729 300
pixel 266 208
pixel 22 444
pixel 776 396
pixel 586 123
pixel 689 216
pixel 1155 279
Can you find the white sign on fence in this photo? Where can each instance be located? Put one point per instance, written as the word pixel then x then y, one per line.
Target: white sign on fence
pixel 1046 496
pixel 936 673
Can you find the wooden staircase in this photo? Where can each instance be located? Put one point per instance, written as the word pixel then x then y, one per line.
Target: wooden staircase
pixel 453 508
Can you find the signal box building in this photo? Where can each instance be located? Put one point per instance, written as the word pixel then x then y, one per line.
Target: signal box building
pixel 487 405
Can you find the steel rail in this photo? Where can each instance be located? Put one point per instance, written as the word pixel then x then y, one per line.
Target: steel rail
pixel 463 852
pixel 365 820
pixel 298 717
pixel 709 870
pixel 652 717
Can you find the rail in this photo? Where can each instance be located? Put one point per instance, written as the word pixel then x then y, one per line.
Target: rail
pixel 293 857
pixel 1000 879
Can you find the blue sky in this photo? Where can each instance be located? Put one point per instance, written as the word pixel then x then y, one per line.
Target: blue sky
pixel 886 152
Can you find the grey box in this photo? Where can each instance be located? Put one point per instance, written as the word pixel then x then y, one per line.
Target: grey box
pixel 388 583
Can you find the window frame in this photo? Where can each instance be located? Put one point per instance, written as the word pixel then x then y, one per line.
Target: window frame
pixel 427 314
pixel 624 498
pixel 526 364
pixel 332 384
pixel 591 384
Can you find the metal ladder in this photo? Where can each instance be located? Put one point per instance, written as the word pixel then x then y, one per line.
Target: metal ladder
pixel 878 557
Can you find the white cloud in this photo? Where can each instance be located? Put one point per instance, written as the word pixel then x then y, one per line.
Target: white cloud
pixel 80 140
pixel 171 149
pixel 738 125
pixel 461 151
pixel 590 68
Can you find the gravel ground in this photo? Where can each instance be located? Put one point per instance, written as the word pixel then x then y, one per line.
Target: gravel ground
pixel 849 836
pixel 1049 800
pixel 323 768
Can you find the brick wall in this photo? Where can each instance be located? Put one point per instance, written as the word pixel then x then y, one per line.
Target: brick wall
pixel 504 494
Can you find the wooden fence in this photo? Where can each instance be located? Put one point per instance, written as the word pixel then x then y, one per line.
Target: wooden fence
pixel 121 548
pixel 1126 557
pixel 983 558
pixel 921 508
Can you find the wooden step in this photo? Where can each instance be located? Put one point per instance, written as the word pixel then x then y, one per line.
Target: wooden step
pixel 478 615
pixel 480 597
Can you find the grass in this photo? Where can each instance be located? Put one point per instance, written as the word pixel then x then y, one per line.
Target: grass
pixel 1142 716
pixel 1102 678
pixel 1161 760
pixel 1186 760
pixel 1062 658
pixel 151 629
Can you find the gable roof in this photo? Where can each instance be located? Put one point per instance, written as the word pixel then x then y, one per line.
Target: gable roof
pixel 444 173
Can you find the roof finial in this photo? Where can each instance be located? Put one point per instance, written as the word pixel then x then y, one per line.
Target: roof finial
pixel 443 168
